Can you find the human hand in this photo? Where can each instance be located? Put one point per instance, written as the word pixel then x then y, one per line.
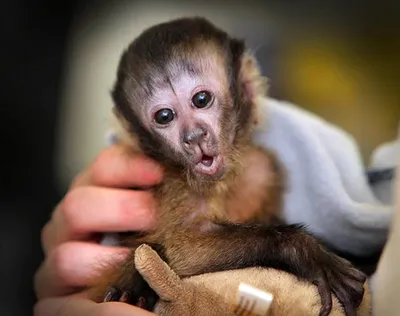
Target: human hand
pixel 80 305
pixel 98 201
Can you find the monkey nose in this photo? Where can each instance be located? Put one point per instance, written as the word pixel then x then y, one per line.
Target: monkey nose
pixel 194 136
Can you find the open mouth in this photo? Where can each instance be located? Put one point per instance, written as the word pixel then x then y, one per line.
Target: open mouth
pixel 209 165
pixel 207 160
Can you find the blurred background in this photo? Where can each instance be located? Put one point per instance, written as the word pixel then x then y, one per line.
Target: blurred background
pixel 339 59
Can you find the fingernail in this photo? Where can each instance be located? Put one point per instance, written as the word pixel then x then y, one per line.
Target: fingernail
pixel 125 297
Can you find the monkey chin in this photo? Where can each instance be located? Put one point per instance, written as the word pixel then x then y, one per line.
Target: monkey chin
pixel 210 168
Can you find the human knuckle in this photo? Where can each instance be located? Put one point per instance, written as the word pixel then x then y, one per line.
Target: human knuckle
pixel 39 309
pixel 78 179
pixel 71 205
pixel 45 234
pixel 38 282
pixel 61 261
pixel 97 167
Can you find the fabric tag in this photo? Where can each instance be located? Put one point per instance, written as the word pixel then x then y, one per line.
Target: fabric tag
pixel 251 301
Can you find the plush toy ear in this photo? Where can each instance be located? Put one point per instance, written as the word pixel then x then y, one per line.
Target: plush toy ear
pixel 158 274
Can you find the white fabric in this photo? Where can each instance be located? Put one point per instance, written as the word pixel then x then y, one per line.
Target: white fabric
pixel 328 189
pixel 385 156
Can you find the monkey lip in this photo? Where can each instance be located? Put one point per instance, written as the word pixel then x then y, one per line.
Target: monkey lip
pixel 209 165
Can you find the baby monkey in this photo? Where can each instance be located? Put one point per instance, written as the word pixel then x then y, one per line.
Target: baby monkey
pixel 186 93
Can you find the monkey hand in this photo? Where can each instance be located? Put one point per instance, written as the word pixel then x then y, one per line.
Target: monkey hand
pixel 132 289
pixel 335 275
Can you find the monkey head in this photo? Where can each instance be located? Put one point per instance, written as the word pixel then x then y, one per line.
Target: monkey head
pixel 187 91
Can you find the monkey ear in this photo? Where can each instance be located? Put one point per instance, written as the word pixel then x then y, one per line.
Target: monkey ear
pixel 254 84
pixel 165 282
pixel 121 127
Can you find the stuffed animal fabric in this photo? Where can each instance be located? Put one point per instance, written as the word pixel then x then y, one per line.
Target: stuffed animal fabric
pixel 214 294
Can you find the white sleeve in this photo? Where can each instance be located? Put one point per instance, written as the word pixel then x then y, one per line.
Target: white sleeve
pixel 327 186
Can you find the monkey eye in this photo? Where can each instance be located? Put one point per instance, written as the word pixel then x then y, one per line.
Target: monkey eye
pixel 164 116
pixel 201 99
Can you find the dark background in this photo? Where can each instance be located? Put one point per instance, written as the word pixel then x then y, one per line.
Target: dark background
pixel 32 51
pixel 33 35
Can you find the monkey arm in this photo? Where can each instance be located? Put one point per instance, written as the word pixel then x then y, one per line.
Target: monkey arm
pixel 287 248
pixel 234 246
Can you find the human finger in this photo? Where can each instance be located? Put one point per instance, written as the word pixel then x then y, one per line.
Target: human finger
pixel 73 265
pixel 78 305
pixel 88 210
pixel 116 166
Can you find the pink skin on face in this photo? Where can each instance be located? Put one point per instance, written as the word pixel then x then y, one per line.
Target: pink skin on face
pixel 205 156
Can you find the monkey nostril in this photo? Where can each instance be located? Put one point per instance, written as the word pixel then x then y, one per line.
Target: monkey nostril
pixel 194 136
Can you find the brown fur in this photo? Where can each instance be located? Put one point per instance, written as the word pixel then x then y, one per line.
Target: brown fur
pixel 208 226
pixel 216 293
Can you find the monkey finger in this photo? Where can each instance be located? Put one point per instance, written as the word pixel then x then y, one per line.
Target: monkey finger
pixel 116 167
pixel 88 210
pixel 326 295
pixel 73 265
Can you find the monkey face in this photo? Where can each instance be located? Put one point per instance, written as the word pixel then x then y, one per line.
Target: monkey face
pixel 185 113
pixel 183 89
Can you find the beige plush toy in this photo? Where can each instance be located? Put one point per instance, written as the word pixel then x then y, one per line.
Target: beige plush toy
pixel 215 294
